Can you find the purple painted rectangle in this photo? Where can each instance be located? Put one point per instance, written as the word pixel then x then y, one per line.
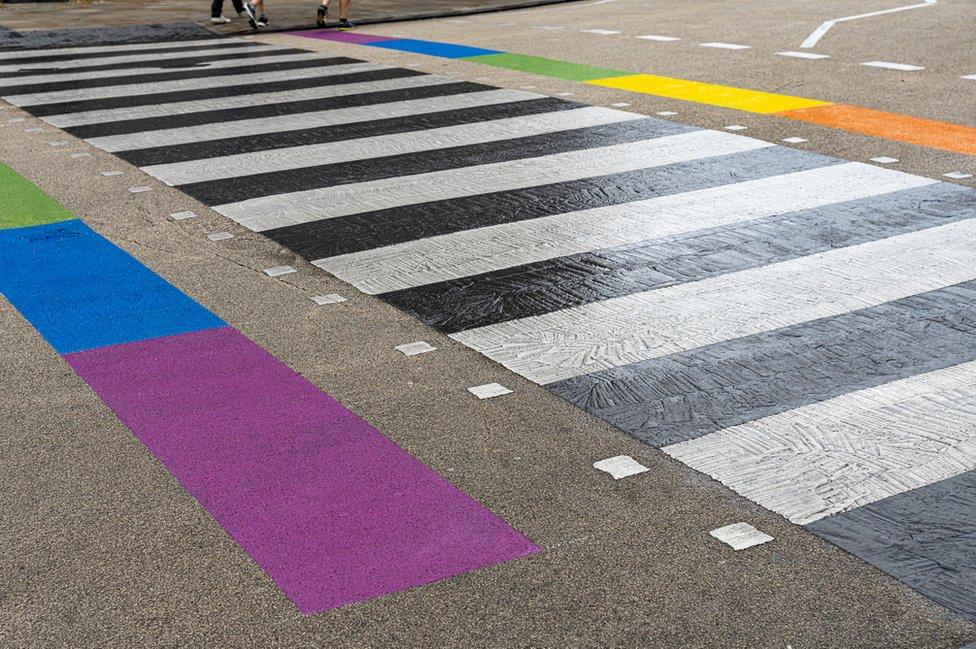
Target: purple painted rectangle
pixel 330 508
pixel 343 37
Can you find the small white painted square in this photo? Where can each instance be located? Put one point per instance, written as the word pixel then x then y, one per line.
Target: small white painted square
pixel 16 120
pixel 564 94
pixel 736 127
pixel 726 46
pixel 220 236
pixel 58 143
pixel 412 349
pixel 139 189
pixel 804 55
pixel 957 175
pixel 620 466
pixel 80 154
pixel 658 38
pixel 884 160
pixel 666 113
pixel 180 216
pixel 331 298
pixel 36 129
pixel 278 271
pixel 741 536
pixel 489 390
pixel 600 32
pixel 794 140
pixel 620 104
pixel 110 173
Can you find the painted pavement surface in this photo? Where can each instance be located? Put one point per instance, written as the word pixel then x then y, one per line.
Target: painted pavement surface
pixel 796 326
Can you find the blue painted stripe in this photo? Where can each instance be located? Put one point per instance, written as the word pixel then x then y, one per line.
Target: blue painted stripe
pixel 80 291
pixel 432 48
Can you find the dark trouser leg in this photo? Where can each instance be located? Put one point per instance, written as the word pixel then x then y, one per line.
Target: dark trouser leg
pixel 216 7
pixel 238 6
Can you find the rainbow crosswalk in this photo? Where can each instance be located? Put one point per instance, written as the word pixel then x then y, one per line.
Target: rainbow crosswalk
pixel 331 509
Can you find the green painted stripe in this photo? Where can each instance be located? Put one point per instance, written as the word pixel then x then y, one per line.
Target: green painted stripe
pixel 22 204
pixel 546 67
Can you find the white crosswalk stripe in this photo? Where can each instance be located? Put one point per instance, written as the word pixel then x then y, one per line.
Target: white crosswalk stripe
pixel 300 207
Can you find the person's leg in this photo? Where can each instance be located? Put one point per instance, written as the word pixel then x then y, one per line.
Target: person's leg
pixel 238 6
pixel 323 14
pixel 216 7
pixel 344 10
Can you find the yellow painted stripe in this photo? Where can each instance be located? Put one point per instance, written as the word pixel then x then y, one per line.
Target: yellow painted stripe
pixel 753 101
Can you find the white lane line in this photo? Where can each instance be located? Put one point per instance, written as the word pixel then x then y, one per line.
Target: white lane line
pixel 104 92
pixel 600 32
pixel 549 28
pixel 225 65
pixel 658 38
pixel 620 104
pixel 726 46
pixel 493 248
pixel 240 101
pixel 794 140
pixel 666 113
pixel 957 175
pixel 115 50
pixel 740 536
pixel 65 66
pixel 884 160
pixel 244 164
pixel 819 32
pixel 220 236
pixel 331 202
pixel 849 451
pixel 887 65
pixel 298 121
pixel 638 327
pixel 736 127
pixel 970 76
pixel 804 55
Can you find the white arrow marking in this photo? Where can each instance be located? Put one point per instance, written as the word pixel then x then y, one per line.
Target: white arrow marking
pixel 815 37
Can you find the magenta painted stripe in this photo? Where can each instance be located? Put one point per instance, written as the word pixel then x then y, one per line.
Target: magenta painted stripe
pixel 343 37
pixel 330 508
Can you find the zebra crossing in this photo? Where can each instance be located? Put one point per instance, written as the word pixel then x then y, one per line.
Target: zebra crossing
pixel 798 327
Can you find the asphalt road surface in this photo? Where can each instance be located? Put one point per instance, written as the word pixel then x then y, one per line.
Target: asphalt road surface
pixel 681 235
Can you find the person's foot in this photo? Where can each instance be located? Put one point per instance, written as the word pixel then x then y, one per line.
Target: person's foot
pixel 345 25
pixel 252 16
pixel 263 20
pixel 219 20
pixel 322 16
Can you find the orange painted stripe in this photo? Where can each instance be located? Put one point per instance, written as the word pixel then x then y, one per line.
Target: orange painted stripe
pixel 891 126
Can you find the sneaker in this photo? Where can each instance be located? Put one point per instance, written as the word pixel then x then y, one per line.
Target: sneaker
pixel 345 25
pixel 263 20
pixel 219 20
pixel 322 16
pixel 252 16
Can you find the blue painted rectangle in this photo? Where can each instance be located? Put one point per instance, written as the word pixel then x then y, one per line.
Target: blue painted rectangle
pixel 432 48
pixel 80 291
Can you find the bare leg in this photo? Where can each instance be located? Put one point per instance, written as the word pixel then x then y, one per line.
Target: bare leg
pixel 344 9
